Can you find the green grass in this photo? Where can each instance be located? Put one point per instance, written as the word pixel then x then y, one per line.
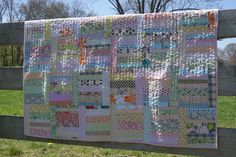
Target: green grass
pixel 39 149
pixel 11 103
pixel 227 111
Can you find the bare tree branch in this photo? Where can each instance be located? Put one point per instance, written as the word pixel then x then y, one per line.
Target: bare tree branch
pixel 3 8
pixel 132 7
pixel 158 5
pixel 117 5
pixel 163 5
pixel 140 6
pixel 153 5
pixel 120 7
pixel 143 6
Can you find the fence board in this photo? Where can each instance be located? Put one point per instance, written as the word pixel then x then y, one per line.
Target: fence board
pixel 13 33
pixel 226 140
pixel 12 79
pixel 227 80
pixel 227 24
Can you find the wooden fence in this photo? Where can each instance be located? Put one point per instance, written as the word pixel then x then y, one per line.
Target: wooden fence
pixel 12 127
pixel 12 78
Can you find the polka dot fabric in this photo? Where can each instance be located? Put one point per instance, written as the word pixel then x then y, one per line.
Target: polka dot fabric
pixel 143 78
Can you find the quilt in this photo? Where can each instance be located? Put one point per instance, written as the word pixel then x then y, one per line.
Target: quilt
pixel 138 78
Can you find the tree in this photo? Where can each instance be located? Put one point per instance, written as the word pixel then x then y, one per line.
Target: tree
pixel 33 9
pixel 227 56
pixel 221 59
pixel 155 6
pixel 79 9
pixel 44 9
pixel 3 8
pixel 56 10
pixel 12 12
pixel 230 51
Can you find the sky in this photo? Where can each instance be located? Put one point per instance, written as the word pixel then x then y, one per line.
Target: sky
pixel 103 7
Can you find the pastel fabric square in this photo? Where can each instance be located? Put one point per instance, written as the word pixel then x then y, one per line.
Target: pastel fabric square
pixel 142 78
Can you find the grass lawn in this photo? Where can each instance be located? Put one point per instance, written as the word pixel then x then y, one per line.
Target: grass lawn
pixel 11 103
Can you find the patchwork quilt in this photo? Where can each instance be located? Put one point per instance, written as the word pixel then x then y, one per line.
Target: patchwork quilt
pixel 140 78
